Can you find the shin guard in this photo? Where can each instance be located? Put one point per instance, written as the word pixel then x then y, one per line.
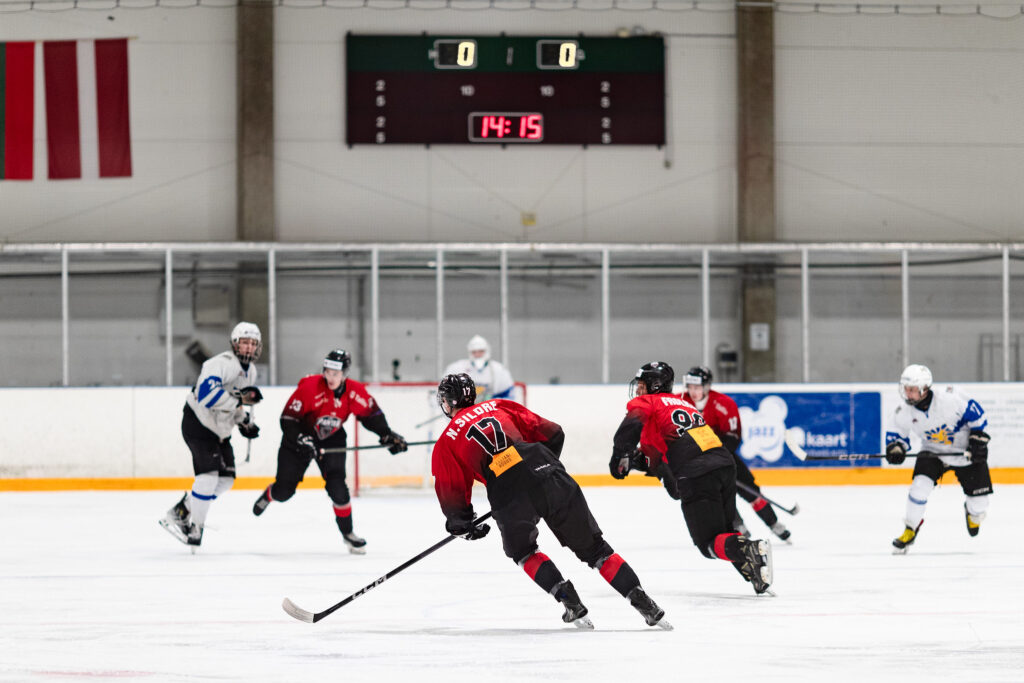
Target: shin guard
pixel 619 574
pixel 764 510
pixel 343 516
pixel 543 571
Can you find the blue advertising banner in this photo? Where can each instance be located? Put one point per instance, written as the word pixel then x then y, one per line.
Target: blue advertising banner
pixel 829 423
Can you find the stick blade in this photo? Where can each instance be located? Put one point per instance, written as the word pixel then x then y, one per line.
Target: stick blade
pixel 794 437
pixel 297 612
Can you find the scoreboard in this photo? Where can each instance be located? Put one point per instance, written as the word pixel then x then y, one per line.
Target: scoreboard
pixel 522 90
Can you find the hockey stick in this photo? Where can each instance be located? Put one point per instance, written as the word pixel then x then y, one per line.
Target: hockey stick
pixel 754 492
pixel 309 617
pixel 868 456
pixel 346 449
pixel 428 421
pixel 248 444
pixel 793 441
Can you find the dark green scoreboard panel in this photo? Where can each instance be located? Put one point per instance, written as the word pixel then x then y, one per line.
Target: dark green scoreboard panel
pixel 526 90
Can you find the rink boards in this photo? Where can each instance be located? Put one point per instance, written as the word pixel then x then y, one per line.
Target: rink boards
pixel 129 437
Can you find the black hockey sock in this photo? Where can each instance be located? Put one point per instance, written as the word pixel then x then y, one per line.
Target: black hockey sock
pixel 765 511
pixel 619 574
pixel 543 571
pixel 343 516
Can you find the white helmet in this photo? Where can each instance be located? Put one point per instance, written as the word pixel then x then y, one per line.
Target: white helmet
pixel 244 330
pixel 478 343
pixel 915 376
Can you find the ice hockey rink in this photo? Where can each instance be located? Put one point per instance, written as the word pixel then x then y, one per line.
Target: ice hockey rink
pixel 92 588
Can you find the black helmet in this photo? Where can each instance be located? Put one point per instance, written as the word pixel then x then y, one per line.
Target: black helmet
pixel 698 374
pixel 455 392
pixel 338 359
pixel 657 377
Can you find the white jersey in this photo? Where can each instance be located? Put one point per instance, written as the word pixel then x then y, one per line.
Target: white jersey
pixel 494 381
pixel 214 399
pixel 943 428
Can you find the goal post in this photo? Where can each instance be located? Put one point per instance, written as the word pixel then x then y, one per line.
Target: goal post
pixel 412 411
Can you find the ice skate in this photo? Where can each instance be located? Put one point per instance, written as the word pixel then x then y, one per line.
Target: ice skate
pixel 262 502
pixel 756 566
pixel 903 542
pixel 575 612
pixel 973 522
pixel 356 545
pixel 176 521
pixel 194 538
pixel 781 531
pixel 652 614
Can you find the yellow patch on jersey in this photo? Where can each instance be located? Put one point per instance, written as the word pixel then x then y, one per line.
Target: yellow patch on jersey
pixel 504 460
pixel 705 437
pixel 940 435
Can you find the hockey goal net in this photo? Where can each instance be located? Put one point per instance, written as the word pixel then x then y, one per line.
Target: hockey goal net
pixel 411 409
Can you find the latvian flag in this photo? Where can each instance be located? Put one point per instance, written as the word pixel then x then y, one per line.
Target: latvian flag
pixel 84 107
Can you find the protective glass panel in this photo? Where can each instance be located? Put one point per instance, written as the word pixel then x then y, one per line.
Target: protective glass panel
pixel 956 314
pixel 30 320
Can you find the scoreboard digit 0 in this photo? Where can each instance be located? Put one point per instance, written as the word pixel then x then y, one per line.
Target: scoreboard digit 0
pixel 526 90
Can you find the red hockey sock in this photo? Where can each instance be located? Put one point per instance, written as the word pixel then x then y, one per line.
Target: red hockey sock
pixel 343 516
pixel 727 547
pixel 543 571
pixel 619 574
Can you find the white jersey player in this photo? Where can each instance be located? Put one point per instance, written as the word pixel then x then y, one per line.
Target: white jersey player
pixel 945 421
pixel 491 378
pixel 212 410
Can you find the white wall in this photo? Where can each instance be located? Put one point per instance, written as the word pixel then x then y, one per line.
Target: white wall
pixel 135 432
pixel 889 127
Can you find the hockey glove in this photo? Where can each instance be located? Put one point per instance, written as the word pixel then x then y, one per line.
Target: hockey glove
pixel 250 396
pixel 619 465
pixel 895 453
pixel 470 534
pixel 395 443
pixel 977 445
pixel 248 428
pixel 638 461
pixel 307 446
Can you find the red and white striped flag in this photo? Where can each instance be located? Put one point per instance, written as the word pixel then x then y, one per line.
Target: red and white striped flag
pixel 85 89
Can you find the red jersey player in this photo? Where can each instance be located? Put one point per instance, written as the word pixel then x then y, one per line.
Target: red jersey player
pixel 312 419
pixel 672 432
pixel 722 415
pixel 514 453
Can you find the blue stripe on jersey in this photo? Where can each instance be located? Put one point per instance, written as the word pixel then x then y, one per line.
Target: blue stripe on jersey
pixel 215 398
pixel 209 385
pixel 201 496
pixel 890 437
pixel 971 417
pixel 505 394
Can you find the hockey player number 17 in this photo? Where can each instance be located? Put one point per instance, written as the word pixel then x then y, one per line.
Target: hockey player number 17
pixel 492 446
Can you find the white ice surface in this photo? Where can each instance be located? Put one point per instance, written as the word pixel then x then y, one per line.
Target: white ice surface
pixel 92 588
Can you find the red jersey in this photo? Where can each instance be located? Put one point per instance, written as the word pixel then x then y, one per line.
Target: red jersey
pixel 481 443
pixel 320 413
pixel 722 415
pixel 671 428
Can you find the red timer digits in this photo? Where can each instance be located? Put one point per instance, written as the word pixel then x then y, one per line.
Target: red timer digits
pixel 503 127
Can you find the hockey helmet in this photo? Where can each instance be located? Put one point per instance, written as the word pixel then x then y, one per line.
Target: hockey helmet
pixel 698 374
pixel 338 359
pixel 657 377
pixel 479 352
pixel 455 392
pixel 244 330
pixel 915 376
